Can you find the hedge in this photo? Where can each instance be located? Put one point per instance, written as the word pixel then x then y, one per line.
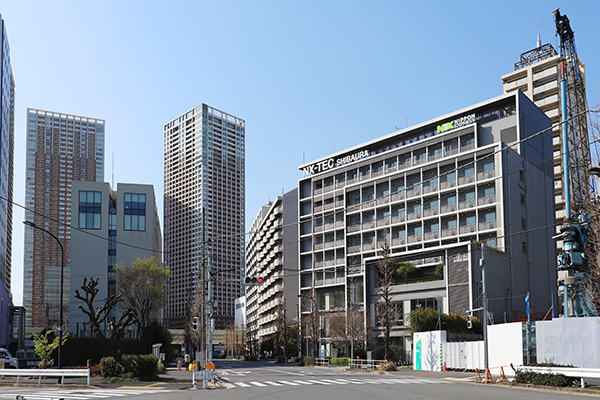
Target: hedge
pixel 339 361
pixel 545 379
pixel 143 367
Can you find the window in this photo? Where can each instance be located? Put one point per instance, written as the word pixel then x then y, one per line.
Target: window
pixel 90 209
pixel 135 212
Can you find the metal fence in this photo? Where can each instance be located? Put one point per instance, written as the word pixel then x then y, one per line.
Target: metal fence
pixel 358 363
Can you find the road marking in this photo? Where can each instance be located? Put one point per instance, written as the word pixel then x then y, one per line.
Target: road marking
pixel 357 382
pixel 304 382
pixel 335 381
pixel 258 383
pixel 290 383
pixel 242 384
pixel 273 383
pixel 320 382
pixel 75 394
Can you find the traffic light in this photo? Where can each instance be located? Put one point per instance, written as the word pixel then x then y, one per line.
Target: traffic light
pixel 470 321
pixel 195 323
pixel 253 281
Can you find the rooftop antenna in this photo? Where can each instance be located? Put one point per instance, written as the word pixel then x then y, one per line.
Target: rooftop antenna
pixel 539 38
pixel 113 170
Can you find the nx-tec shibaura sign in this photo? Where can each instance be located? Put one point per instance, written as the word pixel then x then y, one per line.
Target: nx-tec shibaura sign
pixel 330 163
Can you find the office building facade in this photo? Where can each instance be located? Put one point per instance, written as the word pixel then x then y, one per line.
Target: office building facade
pixel 272 253
pixel 204 163
pixel 7 133
pixel 61 148
pixel 112 228
pixel 434 193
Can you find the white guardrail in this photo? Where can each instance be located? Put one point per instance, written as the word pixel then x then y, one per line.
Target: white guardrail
pixel 571 372
pixel 61 373
pixel 359 363
pixel 204 376
pixel 321 362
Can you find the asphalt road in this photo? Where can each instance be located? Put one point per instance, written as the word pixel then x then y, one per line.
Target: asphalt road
pixel 246 380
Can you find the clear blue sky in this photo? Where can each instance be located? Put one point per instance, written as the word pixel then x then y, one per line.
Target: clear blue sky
pixel 309 77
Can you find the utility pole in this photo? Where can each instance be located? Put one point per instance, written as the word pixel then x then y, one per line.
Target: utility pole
pixel 485 307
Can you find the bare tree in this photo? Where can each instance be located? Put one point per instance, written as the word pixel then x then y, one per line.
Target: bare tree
pixel 311 320
pixel 386 311
pixel 98 315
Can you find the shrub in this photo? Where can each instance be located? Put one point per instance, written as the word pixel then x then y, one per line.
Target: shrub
pixel 340 360
pixel 307 360
pixel 545 379
pixel 143 367
pixel 160 367
pixel 110 368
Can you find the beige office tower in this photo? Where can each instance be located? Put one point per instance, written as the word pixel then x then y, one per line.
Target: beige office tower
pixel 538 75
pixel 203 170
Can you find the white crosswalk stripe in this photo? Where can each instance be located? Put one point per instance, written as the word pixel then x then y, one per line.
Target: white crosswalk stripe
pixel 340 381
pixel 75 394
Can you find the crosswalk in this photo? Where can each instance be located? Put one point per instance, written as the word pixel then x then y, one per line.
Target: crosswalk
pixel 73 394
pixel 339 381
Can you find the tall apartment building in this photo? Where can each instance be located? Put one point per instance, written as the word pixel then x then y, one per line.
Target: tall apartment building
pixel 7 133
pixel 538 75
pixel 61 148
pixel 433 193
pixel 113 228
pixel 204 160
pixel 272 253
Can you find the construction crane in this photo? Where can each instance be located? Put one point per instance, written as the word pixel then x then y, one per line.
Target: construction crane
pixel 576 162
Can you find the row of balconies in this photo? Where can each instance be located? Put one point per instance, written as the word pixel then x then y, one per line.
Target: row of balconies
pixel 418 191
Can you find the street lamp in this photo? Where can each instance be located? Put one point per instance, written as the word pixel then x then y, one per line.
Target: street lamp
pixel 62 273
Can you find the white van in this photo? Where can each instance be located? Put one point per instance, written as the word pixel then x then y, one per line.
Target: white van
pixel 8 360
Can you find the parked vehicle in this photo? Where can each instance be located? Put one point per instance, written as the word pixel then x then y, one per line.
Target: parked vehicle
pixel 8 360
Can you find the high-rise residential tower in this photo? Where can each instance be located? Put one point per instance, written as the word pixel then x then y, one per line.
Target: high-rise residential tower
pixel 61 148
pixel 7 128
pixel 204 166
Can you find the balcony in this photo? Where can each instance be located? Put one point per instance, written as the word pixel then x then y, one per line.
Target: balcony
pixel 398 218
pixel 431 212
pixel 383 200
pixel 414 238
pixel 399 241
pixel 368 246
pixel 383 221
pixel 431 235
pixel 328 188
pixel 389 169
pixel 487 225
pixel 447 184
pixel 339 224
pixel 329 245
pixel 450 151
pixel 354 249
pixel 339 243
pixel 486 175
pixel 467 229
pixel 448 232
pixel 377 173
pixel 327 206
pixel 466 180
pixel 368 225
pixel 398 196
pixel 466 204
pixel 448 208
pixel 317 191
pixel 486 200
pixel 413 215
pixel 353 228
pixel 467 147
pixel 431 187
pixel 318 228
pixel 413 192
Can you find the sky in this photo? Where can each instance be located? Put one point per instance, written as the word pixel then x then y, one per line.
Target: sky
pixel 309 77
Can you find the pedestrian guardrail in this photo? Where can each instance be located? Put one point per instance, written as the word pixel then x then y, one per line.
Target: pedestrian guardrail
pixel 204 376
pixel 321 362
pixel 61 373
pixel 359 363
pixel 581 373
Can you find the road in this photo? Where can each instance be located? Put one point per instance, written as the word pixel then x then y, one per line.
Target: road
pixel 243 380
